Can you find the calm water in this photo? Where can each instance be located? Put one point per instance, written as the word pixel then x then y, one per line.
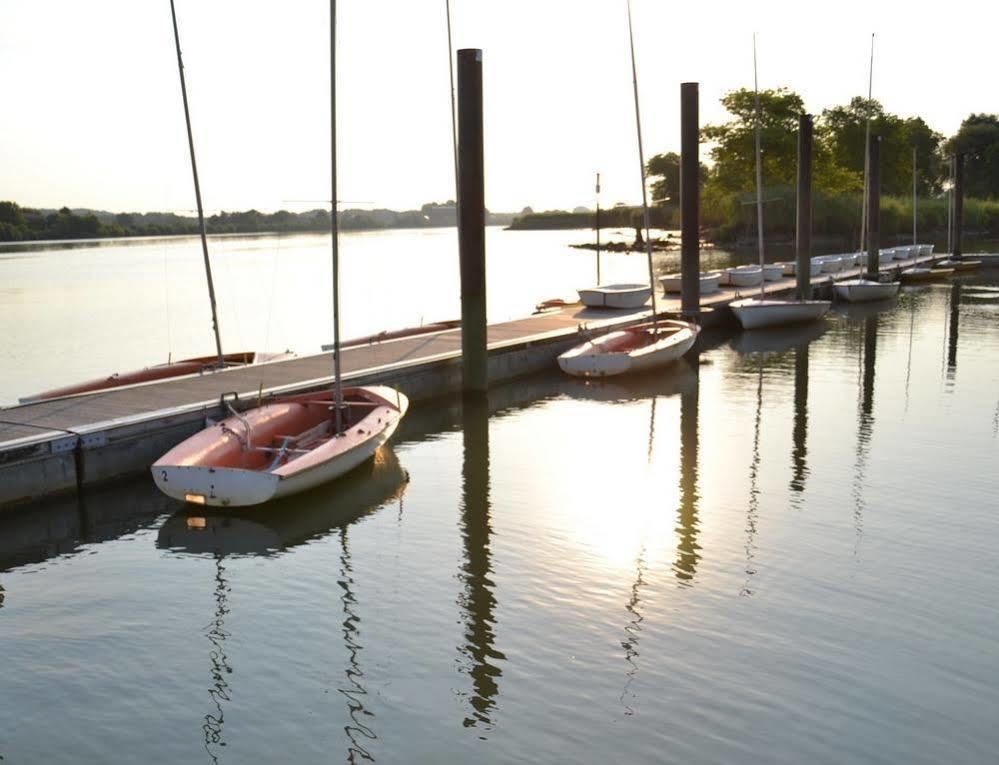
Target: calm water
pixel 781 551
pixel 72 313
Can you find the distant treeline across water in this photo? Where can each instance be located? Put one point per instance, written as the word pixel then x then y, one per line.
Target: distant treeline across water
pixel 18 224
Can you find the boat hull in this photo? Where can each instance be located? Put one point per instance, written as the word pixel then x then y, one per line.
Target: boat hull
pixel 773 272
pixel 615 353
pixel 863 290
pixel 709 283
pixel 615 296
pixel 745 276
pixel 753 313
pixel 919 275
pixel 212 468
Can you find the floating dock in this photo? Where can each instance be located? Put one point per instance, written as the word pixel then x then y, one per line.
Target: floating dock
pixel 61 445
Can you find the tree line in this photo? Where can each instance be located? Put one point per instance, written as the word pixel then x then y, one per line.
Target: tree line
pixel 728 184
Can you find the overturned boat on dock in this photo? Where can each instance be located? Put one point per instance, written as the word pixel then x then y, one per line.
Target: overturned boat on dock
pixel 615 296
pixel 196 366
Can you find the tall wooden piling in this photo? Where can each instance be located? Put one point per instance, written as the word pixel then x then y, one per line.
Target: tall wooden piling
pixel 874 208
pixel 690 193
pixel 803 223
pixel 958 203
pixel 472 222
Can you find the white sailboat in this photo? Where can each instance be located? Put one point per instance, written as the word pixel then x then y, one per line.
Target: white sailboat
pixel 867 288
pixel 753 313
pixel 290 443
pixel 649 345
pixel 616 296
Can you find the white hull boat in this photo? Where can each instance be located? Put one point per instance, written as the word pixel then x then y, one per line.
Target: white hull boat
pixel 886 256
pixel 903 253
pixel 925 249
pixel 616 296
pixel 630 350
pixel 708 283
pixel 773 272
pixel 863 290
pixel 829 264
pixel 754 313
pixel 280 448
pixel 745 276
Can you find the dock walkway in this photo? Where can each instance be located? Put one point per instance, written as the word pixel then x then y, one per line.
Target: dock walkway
pixel 62 444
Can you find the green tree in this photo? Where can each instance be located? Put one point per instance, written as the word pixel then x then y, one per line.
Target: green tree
pixel 663 171
pixel 844 130
pixel 733 150
pixel 978 137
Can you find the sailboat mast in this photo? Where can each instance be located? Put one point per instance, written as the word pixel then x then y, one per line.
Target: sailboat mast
pixel 454 111
pixel 914 195
pixel 867 151
pixel 641 162
pixel 197 190
pixel 335 230
pixel 759 168
pixel 598 229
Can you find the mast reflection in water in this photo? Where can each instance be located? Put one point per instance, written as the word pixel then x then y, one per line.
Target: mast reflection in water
pixel 799 436
pixel 477 600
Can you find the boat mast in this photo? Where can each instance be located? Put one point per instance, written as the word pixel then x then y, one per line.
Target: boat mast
pixel 197 191
pixel 335 230
pixel 913 194
pixel 598 229
pixel 867 150
pixel 759 169
pixel 641 162
pixel 454 110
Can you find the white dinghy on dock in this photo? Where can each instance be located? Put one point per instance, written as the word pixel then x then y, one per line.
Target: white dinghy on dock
pixel 615 296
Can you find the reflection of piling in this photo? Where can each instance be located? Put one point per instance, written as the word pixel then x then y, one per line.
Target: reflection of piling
pixel 799 454
pixel 803 223
pixel 687 549
pixel 955 316
pixel 958 202
pixel 690 252
pixel 870 353
pixel 874 208
pixel 477 600
pixel 471 222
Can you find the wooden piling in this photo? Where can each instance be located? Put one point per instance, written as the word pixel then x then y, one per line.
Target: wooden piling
pixel 958 203
pixel 472 222
pixel 874 208
pixel 690 193
pixel 803 223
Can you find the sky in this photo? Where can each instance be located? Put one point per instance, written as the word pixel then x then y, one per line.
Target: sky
pixel 92 113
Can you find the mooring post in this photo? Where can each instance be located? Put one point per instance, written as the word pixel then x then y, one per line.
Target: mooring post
pixel 874 208
pixel 690 201
pixel 472 223
pixel 803 223
pixel 958 202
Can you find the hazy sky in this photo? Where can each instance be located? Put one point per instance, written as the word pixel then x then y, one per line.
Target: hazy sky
pixel 92 115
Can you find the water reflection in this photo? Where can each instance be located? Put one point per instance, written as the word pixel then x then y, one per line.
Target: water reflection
pixel 477 600
pixel 865 424
pixel 354 692
pixel 632 632
pixel 752 510
pixel 221 668
pixel 687 548
pixel 799 433
pixel 271 530
pixel 63 525
pixel 953 329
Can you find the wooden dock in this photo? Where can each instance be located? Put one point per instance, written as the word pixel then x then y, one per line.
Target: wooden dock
pixel 63 444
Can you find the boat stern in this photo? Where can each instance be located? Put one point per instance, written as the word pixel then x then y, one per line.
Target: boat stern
pixel 215 487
